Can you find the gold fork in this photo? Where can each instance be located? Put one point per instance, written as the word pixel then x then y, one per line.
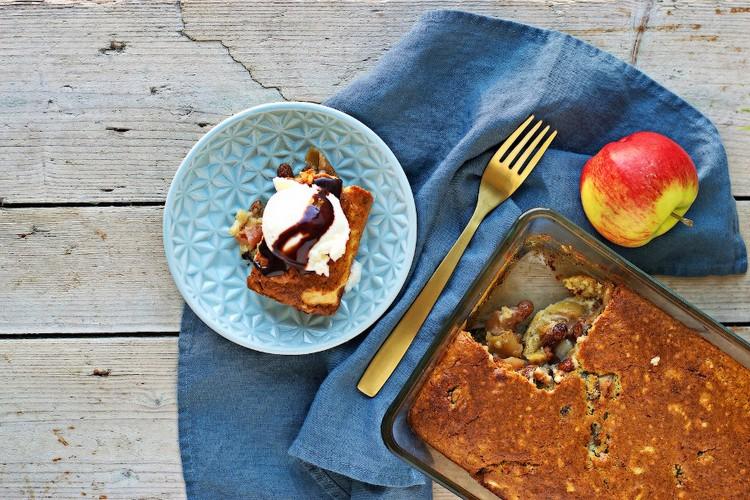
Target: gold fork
pixel 502 176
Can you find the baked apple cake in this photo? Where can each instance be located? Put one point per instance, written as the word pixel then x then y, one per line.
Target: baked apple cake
pixel 600 395
pixel 303 241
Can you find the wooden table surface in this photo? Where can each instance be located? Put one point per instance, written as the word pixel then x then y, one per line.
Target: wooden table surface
pixel 99 102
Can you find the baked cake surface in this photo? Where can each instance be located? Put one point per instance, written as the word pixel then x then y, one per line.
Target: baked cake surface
pixel 313 293
pixel 652 410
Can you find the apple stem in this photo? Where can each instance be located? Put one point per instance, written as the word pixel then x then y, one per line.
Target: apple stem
pixel 684 220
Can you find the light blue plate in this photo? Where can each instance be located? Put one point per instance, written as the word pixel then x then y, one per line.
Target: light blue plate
pixel 234 164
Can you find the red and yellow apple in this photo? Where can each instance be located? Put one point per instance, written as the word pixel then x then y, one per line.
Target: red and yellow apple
pixel 638 188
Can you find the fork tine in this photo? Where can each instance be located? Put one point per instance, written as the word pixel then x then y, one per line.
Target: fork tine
pixel 512 155
pixel 511 139
pixel 516 167
pixel 535 159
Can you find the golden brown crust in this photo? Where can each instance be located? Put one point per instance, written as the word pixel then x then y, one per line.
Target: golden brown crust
pixel 654 411
pixel 298 289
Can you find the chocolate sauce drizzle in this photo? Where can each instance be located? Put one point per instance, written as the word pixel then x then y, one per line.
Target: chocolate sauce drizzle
pixel 269 264
pixel 292 247
pixel 331 184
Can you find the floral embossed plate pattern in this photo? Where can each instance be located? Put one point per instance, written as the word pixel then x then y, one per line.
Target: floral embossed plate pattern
pixel 234 164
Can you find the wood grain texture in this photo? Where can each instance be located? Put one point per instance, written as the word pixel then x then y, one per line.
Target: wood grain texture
pixel 85 270
pixel 66 431
pixel 88 270
pixel 69 433
pixel 344 39
pixel 701 51
pixel 93 418
pixel 101 101
pixel 697 48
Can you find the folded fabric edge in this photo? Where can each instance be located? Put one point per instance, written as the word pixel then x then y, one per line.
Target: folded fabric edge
pixel 183 432
pixel 313 459
pixel 325 481
pixel 183 426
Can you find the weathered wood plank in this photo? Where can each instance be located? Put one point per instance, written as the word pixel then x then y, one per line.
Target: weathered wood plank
pixel 66 432
pixel 700 50
pixel 697 48
pixel 100 102
pixel 88 270
pixel 344 39
pixel 85 270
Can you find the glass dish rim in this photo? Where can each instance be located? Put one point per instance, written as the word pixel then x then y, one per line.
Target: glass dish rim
pixel 523 221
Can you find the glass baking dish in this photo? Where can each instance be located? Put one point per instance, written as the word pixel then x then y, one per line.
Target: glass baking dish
pixel 541 247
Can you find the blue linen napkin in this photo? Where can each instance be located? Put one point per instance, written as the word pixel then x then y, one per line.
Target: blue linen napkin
pixel 263 426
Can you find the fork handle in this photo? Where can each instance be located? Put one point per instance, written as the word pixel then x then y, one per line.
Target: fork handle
pixel 393 349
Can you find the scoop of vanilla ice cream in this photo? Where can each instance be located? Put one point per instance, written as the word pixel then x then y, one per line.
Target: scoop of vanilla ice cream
pixel 286 208
pixel 332 245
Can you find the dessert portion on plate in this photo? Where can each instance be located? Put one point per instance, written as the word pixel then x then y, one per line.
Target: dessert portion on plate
pixel 599 395
pixel 302 243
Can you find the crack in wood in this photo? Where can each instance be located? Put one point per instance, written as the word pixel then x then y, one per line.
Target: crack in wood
pixel 641 14
pixel 120 130
pixel 182 31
